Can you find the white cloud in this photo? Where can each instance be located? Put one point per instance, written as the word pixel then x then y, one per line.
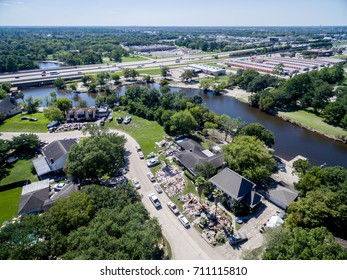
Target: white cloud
pixel 4 4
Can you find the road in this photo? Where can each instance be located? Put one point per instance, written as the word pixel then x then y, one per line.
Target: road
pixel 186 244
pixel 78 71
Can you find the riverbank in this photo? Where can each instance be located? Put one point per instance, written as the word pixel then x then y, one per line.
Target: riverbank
pixel 314 123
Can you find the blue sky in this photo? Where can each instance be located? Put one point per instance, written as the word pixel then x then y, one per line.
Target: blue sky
pixel 173 13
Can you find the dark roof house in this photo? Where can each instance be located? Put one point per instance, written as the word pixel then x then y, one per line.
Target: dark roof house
pixel 33 197
pixel 281 196
pixel 193 154
pixel 237 187
pixel 65 192
pixel 9 107
pixel 81 114
pixel 54 156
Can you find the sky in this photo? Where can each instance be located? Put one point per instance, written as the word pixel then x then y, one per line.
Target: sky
pixel 173 13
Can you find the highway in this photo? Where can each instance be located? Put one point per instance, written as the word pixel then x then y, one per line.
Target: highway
pixel 186 244
pixel 72 72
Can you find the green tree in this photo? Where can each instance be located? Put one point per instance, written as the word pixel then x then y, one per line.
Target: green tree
pixel 96 156
pixel 183 123
pixel 4 149
pixel 188 75
pixel 301 244
pixel 6 86
pixel 301 166
pixel 2 117
pixel 31 104
pixel 25 143
pixel 217 195
pixel 164 71
pixel 205 84
pixel 206 170
pixel 333 113
pixel 200 183
pixel 116 78
pixel 53 114
pixel 60 83
pixel 69 214
pixel 230 126
pixel 73 86
pixel 248 156
pixel 130 73
pixel 320 207
pixel 260 132
pixel 63 104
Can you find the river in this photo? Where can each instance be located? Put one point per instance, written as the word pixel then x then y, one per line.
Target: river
pixel 290 140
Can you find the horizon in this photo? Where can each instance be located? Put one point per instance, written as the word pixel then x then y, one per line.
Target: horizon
pixel 226 13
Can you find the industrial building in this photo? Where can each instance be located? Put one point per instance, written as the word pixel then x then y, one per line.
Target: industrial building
pixel 207 69
pixel 290 65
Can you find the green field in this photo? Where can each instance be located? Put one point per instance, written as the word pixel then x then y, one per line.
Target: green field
pixel 15 124
pixel 156 71
pixel 313 121
pixel 9 198
pixel 145 132
pixel 133 58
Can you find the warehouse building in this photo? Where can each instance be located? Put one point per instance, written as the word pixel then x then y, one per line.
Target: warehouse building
pixel 207 69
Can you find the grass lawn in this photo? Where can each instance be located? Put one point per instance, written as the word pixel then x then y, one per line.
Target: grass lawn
pixel 145 132
pixel 9 198
pixel 155 71
pixel 133 58
pixel 313 121
pixel 339 56
pixel 50 57
pixel 15 124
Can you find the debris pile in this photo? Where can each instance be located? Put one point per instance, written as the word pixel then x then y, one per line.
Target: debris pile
pixel 172 179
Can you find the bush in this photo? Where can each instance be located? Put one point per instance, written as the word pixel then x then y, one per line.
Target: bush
pixel 190 176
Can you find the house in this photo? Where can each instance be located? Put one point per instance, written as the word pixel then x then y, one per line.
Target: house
pixel 65 192
pixel 9 107
pixel 236 187
pixel 54 157
pixel 193 154
pixel 33 197
pixel 102 112
pixel 81 114
pixel 281 196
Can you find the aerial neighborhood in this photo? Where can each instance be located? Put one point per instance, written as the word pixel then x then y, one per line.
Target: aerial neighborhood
pixel 144 143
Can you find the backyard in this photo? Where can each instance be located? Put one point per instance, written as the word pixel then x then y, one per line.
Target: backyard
pixel 19 171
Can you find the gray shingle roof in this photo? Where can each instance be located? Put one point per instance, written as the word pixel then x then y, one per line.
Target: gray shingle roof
pixel 57 149
pixel 281 196
pixel 7 104
pixel 252 199
pixel 232 183
pixel 193 155
pixel 65 192
pixel 33 201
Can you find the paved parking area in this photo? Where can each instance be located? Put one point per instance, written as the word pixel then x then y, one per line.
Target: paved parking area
pixel 251 229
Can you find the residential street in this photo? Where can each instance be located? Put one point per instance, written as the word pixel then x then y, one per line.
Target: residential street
pixel 186 244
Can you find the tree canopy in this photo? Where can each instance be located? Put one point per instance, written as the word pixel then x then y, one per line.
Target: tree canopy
pixel 248 156
pixel 302 244
pixel 260 132
pixel 96 156
pixel 94 223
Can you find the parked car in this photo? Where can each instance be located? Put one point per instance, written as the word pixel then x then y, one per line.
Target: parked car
pixel 237 238
pixel 136 184
pixel 59 187
pixel 172 206
pixel 53 124
pixel 157 187
pixel 153 162
pixel 141 154
pixel 154 199
pixel 184 221
pixel 119 119
pixel 151 176
pixel 238 220
pixel 33 119
pixel 127 120
pixel 151 155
